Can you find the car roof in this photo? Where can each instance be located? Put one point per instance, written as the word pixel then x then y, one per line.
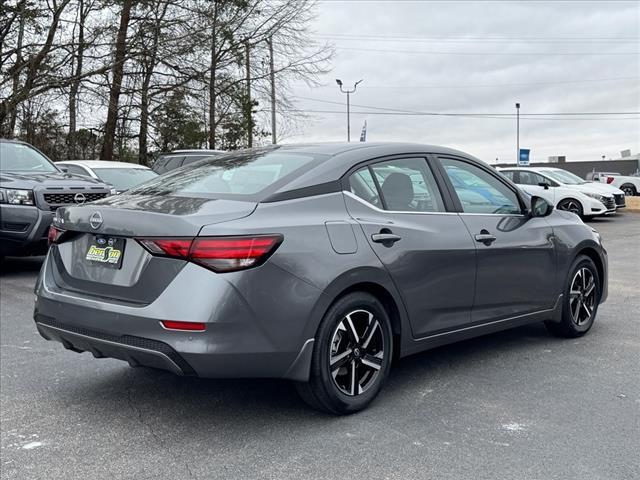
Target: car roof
pixel 196 151
pixel 101 164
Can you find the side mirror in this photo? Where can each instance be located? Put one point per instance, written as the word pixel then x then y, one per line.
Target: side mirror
pixel 545 185
pixel 64 169
pixel 540 207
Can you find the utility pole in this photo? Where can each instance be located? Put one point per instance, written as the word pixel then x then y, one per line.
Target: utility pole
pixel 348 92
pixel 272 75
pixel 518 134
pixel 249 106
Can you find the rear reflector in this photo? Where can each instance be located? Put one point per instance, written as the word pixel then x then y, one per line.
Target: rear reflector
pixel 220 254
pixel 184 326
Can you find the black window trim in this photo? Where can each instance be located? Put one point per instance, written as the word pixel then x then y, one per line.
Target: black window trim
pixel 458 205
pixel 449 205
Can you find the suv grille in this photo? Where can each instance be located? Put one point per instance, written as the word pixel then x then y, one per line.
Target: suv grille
pixel 620 200
pixel 56 200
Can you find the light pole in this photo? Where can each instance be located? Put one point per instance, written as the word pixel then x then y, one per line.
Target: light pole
pixel 518 134
pixel 348 92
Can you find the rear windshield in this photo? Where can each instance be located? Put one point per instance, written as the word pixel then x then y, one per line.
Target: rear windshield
pixel 124 178
pixel 16 157
pixel 241 176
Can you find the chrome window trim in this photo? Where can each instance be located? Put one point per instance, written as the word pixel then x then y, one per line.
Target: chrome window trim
pixel 373 207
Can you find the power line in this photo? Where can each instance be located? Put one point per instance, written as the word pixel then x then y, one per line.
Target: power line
pixel 523 84
pixel 505 115
pixel 471 39
pixel 463 115
pixel 550 53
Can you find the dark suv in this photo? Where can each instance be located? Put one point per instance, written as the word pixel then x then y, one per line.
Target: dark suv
pixel 178 158
pixel 31 190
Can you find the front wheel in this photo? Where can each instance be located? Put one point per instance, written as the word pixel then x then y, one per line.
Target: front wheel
pixel 580 300
pixel 571 205
pixel 351 356
pixel 629 190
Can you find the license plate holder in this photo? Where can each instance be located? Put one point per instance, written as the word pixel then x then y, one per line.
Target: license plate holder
pixel 106 251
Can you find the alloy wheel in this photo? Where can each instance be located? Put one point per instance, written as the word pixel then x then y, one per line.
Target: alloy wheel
pixel 582 296
pixel 356 352
pixel 628 191
pixel 570 206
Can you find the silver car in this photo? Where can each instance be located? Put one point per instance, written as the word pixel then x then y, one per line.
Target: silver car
pixel 315 263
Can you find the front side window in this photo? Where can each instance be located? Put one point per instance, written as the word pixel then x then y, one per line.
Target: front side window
pixel 405 185
pixel 17 157
pixel 478 190
pixel 76 170
pixel 531 178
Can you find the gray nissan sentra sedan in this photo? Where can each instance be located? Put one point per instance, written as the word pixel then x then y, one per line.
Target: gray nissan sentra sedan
pixel 315 263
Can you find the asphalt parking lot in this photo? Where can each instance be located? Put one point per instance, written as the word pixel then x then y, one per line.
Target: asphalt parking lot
pixel 515 405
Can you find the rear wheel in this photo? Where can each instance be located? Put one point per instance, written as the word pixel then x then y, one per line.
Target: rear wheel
pixel 629 190
pixel 571 205
pixel 580 300
pixel 351 356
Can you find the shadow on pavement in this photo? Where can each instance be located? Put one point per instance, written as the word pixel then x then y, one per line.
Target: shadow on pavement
pixel 14 266
pixel 192 404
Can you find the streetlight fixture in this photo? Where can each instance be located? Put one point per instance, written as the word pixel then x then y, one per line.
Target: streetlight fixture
pixel 518 134
pixel 348 92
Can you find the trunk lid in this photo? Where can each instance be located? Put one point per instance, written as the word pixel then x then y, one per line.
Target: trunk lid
pixel 137 276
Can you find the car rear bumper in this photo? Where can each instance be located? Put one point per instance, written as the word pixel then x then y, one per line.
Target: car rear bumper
pixel 237 342
pixel 23 230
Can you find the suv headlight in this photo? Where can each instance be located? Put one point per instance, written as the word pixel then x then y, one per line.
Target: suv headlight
pixel 16 197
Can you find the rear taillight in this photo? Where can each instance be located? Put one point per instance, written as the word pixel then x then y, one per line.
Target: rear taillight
pixel 220 254
pixel 54 235
pixel 609 179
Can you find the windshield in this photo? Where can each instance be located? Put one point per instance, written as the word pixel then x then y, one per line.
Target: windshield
pixel 565 177
pixel 234 175
pixel 124 178
pixel 17 157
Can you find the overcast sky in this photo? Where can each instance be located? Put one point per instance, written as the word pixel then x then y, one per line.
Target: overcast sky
pixel 482 57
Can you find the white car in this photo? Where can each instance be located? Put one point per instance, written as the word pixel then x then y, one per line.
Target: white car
pixel 121 175
pixel 630 185
pixel 560 189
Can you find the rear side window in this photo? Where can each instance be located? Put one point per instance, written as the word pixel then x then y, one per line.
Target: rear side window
pixel 478 190
pixel 510 175
pixel 173 162
pixel 231 175
pixel 405 185
pixel 77 170
pixel 193 158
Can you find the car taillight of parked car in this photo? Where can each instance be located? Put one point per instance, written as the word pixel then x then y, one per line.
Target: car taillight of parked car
pixel 610 179
pixel 220 254
pixel 54 235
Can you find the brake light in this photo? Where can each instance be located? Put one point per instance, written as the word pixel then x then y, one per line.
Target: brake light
pixel 609 179
pixel 54 234
pixel 184 326
pixel 220 254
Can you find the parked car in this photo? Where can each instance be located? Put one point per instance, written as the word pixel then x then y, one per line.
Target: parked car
pixel 629 184
pixel 31 189
pixel 315 263
pixel 179 158
pixel 566 191
pixel 121 175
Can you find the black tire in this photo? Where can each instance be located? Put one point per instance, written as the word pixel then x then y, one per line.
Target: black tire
pixel 571 205
pixel 570 326
pixel 629 190
pixel 327 394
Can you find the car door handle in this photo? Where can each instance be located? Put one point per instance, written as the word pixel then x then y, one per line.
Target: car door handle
pixel 385 238
pixel 485 237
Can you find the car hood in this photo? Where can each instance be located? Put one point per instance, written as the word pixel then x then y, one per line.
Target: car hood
pixel 589 188
pixel 31 181
pixel 605 188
